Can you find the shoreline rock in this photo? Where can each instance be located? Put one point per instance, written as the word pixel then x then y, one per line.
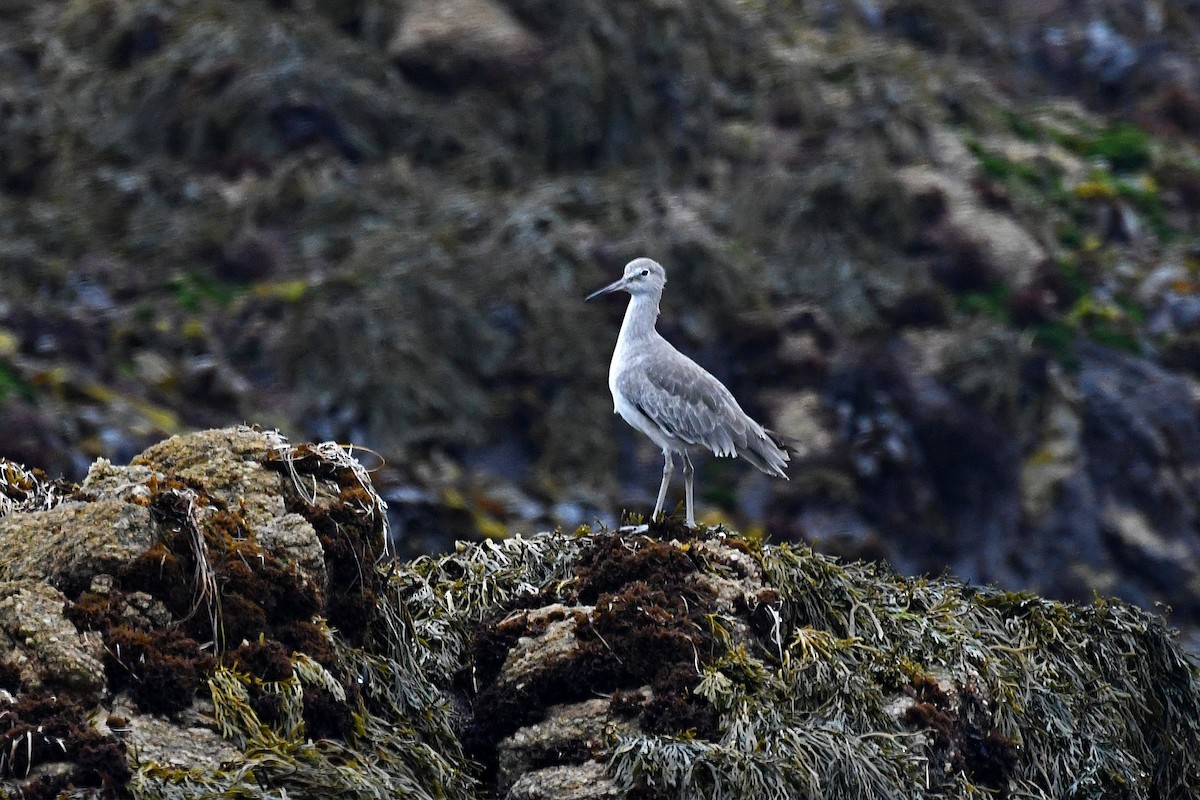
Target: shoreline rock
pixel 648 662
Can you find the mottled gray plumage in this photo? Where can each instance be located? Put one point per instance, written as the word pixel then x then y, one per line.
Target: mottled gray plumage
pixel 672 399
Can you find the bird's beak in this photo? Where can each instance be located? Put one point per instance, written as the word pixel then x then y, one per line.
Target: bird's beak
pixel 615 286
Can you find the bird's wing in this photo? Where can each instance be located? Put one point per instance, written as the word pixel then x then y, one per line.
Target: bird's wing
pixel 687 402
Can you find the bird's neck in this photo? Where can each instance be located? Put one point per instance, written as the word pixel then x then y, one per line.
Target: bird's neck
pixel 639 319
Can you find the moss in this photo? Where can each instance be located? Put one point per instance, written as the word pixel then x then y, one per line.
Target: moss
pixel 193 290
pixel 1023 127
pixel 242 619
pixel 161 573
pixel 609 565
pixel 957 742
pixel 10 676
pixel 161 669
pixel 992 301
pixel 309 638
pixel 13 385
pixel 96 612
pixel 675 709
pixel 328 716
pixel 267 660
pixel 41 729
pixel 1125 147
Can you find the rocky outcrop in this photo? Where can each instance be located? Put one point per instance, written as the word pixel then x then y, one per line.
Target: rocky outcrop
pixel 935 240
pixel 224 658
pixel 166 617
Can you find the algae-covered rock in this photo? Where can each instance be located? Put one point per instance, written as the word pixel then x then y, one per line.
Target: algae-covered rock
pixel 229 638
pixel 800 677
pixel 643 662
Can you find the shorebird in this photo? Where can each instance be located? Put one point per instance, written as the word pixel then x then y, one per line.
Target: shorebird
pixel 672 399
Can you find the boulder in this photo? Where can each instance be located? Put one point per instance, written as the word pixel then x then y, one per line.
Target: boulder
pixel 461 40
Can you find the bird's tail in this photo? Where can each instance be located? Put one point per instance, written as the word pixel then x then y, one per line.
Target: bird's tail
pixel 770 453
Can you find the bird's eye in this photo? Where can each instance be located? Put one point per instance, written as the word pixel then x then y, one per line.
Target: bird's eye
pixel 645 272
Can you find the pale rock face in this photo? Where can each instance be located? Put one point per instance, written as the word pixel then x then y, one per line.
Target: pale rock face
pixel 71 543
pixel 451 36
pixel 49 652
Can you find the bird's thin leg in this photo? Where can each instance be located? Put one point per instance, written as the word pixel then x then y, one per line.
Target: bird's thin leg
pixel 668 468
pixel 688 472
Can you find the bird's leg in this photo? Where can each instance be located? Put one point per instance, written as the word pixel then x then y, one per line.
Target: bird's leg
pixel 668 468
pixel 688 472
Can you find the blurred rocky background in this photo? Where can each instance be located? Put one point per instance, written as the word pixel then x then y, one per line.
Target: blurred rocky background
pixel 953 248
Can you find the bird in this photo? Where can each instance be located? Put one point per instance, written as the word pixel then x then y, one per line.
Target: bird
pixel 672 399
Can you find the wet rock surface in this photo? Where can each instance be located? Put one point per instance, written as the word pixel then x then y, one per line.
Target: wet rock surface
pixel 949 246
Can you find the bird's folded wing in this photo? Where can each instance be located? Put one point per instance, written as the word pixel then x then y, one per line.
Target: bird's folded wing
pixel 689 404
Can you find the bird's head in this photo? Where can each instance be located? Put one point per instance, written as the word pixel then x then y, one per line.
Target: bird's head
pixel 642 276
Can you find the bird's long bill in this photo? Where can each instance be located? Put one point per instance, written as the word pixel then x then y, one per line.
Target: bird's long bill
pixel 615 286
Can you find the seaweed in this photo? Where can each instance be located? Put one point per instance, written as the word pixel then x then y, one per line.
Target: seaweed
pixel 30 489
pixel 301 698
pixel 44 729
pixel 834 697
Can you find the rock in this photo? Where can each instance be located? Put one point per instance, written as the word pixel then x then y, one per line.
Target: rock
pixel 582 782
pixel 69 544
pixel 50 654
pixel 812 669
pixel 230 464
pixel 462 40
pixel 198 604
pixel 1059 456
pixel 186 741
pixel 590 665
pixel 582 728
pixel 1144 507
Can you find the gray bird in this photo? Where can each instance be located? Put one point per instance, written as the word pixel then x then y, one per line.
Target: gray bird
pixel 672 399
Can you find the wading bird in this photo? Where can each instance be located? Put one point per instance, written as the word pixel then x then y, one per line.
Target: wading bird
pixel 672 399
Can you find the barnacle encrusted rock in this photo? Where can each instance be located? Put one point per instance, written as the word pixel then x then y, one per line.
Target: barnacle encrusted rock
pixel 46 650
pixel 68 544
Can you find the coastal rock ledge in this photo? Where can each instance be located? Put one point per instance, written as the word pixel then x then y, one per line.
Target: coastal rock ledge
pixel 221 618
